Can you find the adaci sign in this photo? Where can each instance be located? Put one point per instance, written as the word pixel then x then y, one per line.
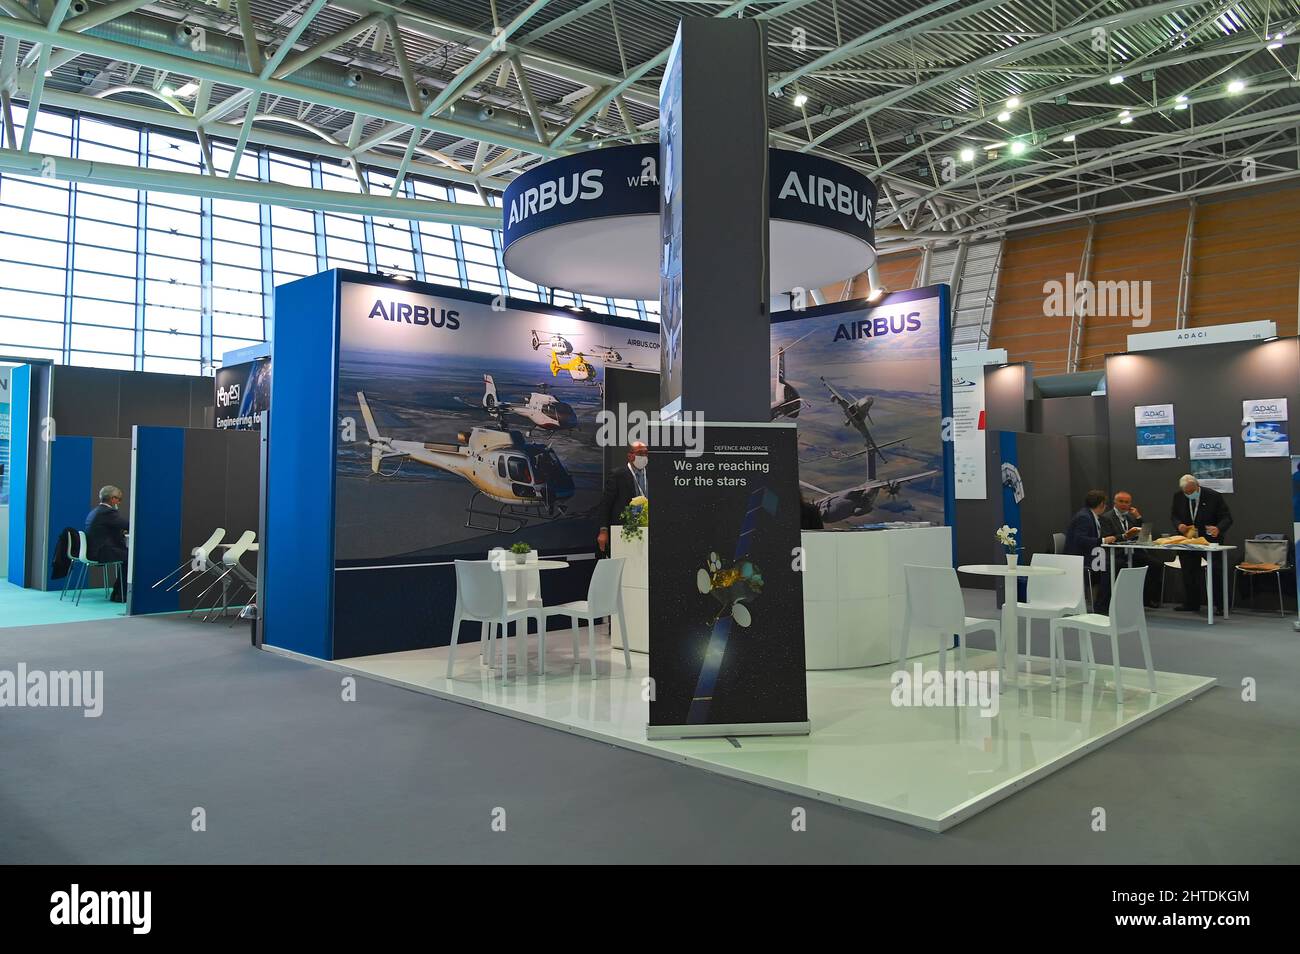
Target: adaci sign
pixel 624 180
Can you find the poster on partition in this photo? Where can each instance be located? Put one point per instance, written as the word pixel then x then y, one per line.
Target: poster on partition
pixel 867 388
pixel 243 392
pixel 1264 428
pixel 1155 432
pixel 466 426
pixel 1211 462
pixel 4 437
pixel 726 589
pixel 968 433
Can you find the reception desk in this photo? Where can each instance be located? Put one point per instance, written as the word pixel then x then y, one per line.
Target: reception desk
pixel 853 591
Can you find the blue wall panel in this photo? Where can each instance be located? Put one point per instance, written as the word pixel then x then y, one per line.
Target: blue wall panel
pixel 298 548
pixel 20 387
pixel 70 464
pixel 156 517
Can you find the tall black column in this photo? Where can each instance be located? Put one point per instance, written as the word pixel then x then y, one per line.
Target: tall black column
pixel 714 221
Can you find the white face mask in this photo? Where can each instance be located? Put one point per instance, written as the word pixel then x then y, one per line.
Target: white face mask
pixel 640 461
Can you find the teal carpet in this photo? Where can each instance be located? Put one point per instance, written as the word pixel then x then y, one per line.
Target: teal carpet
pixel 20 607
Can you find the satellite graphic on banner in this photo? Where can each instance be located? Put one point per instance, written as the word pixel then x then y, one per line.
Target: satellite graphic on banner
pixel 1155 432
pixel 1211 462
pixel 1264 428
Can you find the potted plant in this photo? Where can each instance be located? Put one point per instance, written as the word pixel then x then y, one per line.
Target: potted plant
pixel 1007 537
pixel 521 551
pixel 636 516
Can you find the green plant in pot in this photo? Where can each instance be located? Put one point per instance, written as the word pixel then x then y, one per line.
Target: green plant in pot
pixel 521 551
pixel 636 516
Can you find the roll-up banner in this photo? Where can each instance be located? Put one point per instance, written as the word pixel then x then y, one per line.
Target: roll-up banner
pixel 726 590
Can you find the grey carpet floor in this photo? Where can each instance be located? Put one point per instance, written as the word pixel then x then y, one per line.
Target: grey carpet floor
pixel 286 771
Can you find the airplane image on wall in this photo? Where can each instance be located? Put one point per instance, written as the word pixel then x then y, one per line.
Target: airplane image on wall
pixel 857 415
pixel 840 505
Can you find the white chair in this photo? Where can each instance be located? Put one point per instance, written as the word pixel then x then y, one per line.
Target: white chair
pixel 199 563
pixel 1126 616
pixel 1058 543
pixel 231 571
pixel 1050 597
pixel 481 598
pixel 604 598
pixel 82 565
pixel 934 602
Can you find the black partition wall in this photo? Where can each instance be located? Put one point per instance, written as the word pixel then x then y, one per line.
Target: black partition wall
pixel 1206 384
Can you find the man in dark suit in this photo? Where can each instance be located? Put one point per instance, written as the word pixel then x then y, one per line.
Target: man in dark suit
pixel 106 531
pixel 621 485
pixel 1124 522
pixel 1205 510
pixel 1084 537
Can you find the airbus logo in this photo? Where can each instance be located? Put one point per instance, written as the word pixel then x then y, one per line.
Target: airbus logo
pixel 642 343
pixel 827 194
pixel 228 396
pixel 879 327
pixel 552 192
pixel 416 314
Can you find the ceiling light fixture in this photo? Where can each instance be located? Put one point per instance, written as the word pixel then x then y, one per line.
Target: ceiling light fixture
pixel 1125 120
pixel 1017 147
pixel 1069 137
pixel 800 100
pixel 1236 86
pixel 1117 79
pixel 1013 102
pixel 1003 116
pixel 968 155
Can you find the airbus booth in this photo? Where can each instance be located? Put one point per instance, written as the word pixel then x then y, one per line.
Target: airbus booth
pixel 438 465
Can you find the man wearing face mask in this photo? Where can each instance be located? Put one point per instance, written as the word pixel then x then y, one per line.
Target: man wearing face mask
pixel 1205 511
pixel 621 485
pixel 106 531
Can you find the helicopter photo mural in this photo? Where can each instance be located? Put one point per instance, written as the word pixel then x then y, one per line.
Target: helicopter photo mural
pixel 464 428
pixel 865 386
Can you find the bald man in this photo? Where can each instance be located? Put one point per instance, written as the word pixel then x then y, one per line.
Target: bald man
pixel 621 485
pixel 1199 508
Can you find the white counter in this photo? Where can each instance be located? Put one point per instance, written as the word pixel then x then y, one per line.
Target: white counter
pixel 636 590
pixel 853 591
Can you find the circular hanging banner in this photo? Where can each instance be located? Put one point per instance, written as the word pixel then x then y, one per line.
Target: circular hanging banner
pixel 589 222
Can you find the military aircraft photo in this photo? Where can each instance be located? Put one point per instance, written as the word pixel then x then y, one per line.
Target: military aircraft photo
pixel 526 480
pixel 857 415
pixel 542 410
pixel 840 505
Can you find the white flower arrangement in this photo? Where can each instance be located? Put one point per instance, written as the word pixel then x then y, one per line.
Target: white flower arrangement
pixel 1007 537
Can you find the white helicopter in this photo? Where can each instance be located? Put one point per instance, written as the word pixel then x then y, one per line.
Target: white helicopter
pixel 565 357
pixel 786 402
pixel 543 410
pixel 527 480
pixel 839 505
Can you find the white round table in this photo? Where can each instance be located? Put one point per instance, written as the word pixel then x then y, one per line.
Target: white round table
pixel 1010 620
pixel 509 564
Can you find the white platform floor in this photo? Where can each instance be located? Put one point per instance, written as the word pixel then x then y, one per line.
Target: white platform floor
pixel 929 767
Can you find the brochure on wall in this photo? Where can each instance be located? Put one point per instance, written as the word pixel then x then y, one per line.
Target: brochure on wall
pixel 1211 465
pixel 1155 431
pixel 1264 428
pixel 968 431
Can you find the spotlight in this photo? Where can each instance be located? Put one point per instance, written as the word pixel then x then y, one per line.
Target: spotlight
pixel 874 294
pixel 1236 86
pixel 968 155
pixel 1003 116
pixel 1123 113
pixel 166 90
pixel 188 90
pixel 1117 79
pixel 1017 147
pixel 1276 43
pixel 800 100
pixel 1180 101
pixel 1013 102
pixel 1125 120
pixel 1069 137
